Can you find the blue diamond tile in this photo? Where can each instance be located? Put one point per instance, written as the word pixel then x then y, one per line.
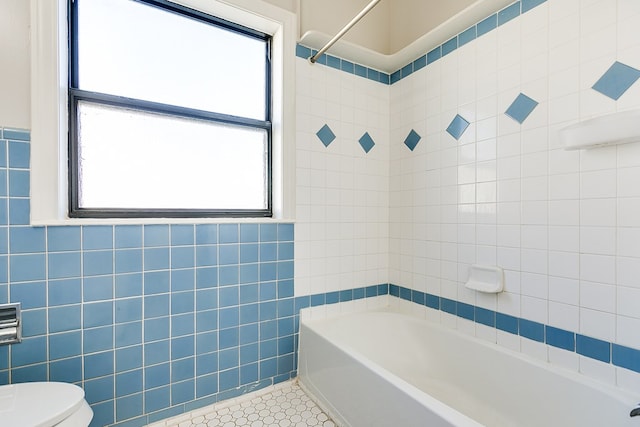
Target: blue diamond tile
pixel 366 142
pixel 457 126
pixel 617 80
pixel 326 135
pixel 521 107
pixel 412 140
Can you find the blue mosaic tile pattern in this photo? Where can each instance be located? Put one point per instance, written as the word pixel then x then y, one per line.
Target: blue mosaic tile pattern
pixel 326 135
pixel 412 140
pixel 366 142
pixel 617 80
pixel 593 348
pixel 457 127
pixel 521 107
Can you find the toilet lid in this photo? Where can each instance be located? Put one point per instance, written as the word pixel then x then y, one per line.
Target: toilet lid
pixel 38 404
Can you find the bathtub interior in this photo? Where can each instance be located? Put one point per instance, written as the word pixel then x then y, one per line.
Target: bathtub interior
pixel 492 385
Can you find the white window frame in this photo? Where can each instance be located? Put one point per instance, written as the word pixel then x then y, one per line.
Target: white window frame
pixel 49 115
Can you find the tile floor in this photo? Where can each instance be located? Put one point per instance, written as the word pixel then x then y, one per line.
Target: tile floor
pixel 282 405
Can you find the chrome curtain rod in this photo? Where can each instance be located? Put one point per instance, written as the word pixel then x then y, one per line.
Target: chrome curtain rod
pixel 343 31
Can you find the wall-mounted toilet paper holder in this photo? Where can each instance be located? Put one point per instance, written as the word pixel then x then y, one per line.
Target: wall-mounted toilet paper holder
pixel 10 324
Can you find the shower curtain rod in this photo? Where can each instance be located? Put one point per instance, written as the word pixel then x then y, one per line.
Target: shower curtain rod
pixel 342 32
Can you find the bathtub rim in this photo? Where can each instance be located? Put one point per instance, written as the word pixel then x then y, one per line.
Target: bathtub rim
pixel 625 396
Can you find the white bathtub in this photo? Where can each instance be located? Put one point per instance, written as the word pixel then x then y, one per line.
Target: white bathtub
pixel 380 368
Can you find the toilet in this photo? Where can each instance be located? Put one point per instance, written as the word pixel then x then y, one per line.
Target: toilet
pixel 44 404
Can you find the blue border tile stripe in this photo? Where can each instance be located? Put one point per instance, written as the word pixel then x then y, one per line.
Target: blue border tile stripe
pixel 481 28
pixel 593 348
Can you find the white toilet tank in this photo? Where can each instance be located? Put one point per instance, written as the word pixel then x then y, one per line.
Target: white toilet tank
pixel 44 404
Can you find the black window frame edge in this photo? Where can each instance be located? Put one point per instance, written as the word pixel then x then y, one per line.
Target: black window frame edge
pixel 75 95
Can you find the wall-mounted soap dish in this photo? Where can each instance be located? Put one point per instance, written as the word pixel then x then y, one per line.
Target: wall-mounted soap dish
pixel 485 278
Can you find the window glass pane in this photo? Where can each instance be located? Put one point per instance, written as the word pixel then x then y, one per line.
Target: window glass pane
pixel 131 49
pixel 131 159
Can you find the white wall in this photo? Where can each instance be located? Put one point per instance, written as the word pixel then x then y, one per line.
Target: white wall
pixel 14 63
pixel 563 224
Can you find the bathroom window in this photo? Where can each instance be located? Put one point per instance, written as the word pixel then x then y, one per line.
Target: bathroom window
pixel 169 113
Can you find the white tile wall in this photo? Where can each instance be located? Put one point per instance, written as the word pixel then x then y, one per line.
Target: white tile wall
pixel 342 193
pixel 564 224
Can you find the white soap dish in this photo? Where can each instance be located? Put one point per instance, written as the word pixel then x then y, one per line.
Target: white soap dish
pixel 485 278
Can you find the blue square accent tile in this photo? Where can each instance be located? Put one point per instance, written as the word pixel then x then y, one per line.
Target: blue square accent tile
pixel 182 324
pixel 434 55
pixel 206 255
pixel 485 317
pixel 507 323
pixel 509 13
pixel 384 78
pixel 268 330
pixel 128 310
pixel 129 382
pixel 129 407
pixel 407 70
pixel 29 373
pixel 626 357
pixel 99 390
pixel 128 358
pixel 411 141
pixel 325 135
pixel 420 63
pixel 487 25
pixel 617 80
pixel 228 233
pixel 333 62
pixel 268 232
pixel 157 375
pixel 302 51
pixel 156 329
pixel 63 292
pixel 19 183
pixel 34 322
pixel 593 348
pixel 360 70
pixel 373 74
pixel 97 263
pixel 65 345
pixel 249 233
pixel 128 285
pixel 157 399
pixel 63 239
pixel 560 338
pixel 16 134
pixel 466 311
pixel 30 351
pixel 206 234
pixel 366 142
pixel 97 237
pixel 396 76
pixel 156 352
pixel 156 258
pixel 457 127
pixel 26 240
pixel 466 36
pixel 156 235
pixel 268 252
pixel 19 212
pixel 449 46
pixel 182 234
pixel 347 66
pixel 98 314
pixel 97 288
pixel 183 369
pixel 128 236
pixel 128 260
pixel 156 306
pixel 183 347
pixel 97 339
pixel 532 330
pixel 432 301
pixel 64 318
pixel 31 295
pixel 285 232
pixel 527 5
pixel 19 154
pixel 182 257
pixel 521 107
pixel 67 370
